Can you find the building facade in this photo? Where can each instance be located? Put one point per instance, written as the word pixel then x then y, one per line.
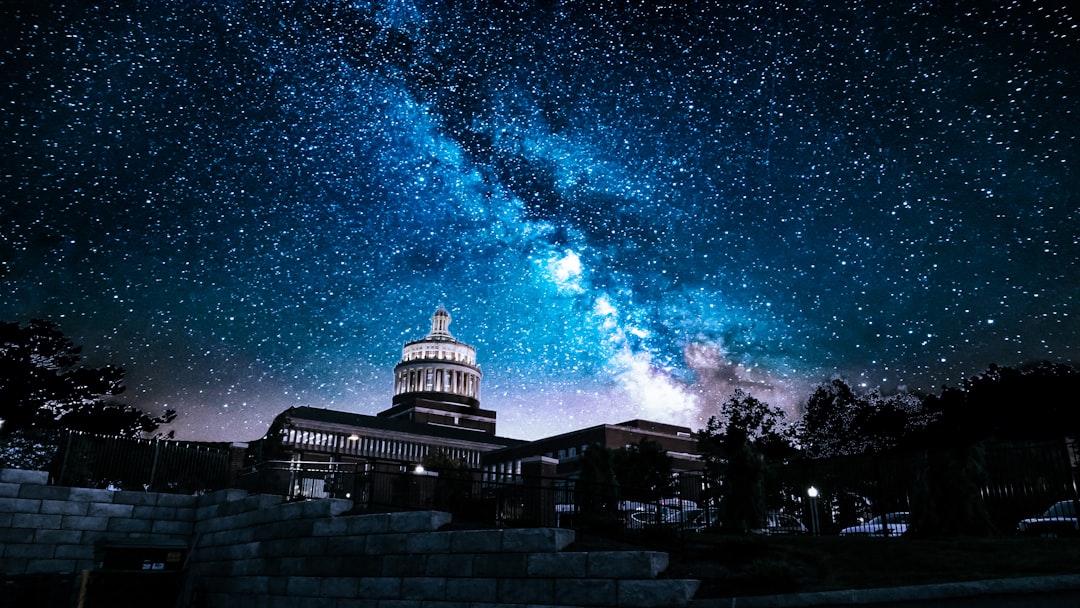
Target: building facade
pixel 436 411
pixel 567 449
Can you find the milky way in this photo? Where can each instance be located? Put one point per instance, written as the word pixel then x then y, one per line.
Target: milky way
pixel 630 208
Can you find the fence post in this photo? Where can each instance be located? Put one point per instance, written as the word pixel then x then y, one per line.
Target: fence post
pixel 538 475
pixel 153 467
pixel 67 454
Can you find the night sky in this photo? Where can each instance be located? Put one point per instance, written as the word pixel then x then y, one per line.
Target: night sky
pixel 629 208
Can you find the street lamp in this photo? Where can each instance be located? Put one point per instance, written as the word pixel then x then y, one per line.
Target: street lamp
pixel 812 492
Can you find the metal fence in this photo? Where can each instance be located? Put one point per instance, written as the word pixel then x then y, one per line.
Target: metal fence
pixel 1011 481
pixel 155 465
pixel 521 502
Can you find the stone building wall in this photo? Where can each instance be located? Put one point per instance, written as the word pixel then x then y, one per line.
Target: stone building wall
pixel 258 551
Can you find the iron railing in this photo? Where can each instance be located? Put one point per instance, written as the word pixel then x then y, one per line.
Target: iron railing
pixel 155 465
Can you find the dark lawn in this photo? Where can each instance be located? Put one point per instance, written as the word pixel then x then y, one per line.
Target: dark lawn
pixel 731 566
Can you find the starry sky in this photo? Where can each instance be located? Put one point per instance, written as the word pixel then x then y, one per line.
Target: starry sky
pixel 630 208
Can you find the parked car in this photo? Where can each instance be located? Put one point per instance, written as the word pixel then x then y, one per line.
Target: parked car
pixel 776 523
pixel 888 525
pixel 1058 520
pixel 781 523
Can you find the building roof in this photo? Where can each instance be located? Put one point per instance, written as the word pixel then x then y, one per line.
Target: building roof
pixel 396 425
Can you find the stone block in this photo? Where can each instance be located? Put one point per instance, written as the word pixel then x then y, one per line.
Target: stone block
pixel 91 495
pixel 142 499
pixel 36 520
pixel 45 492
pixel 24 476
pixel 325 507
pixel 330 527
pixel 125 524
pixel 585 592
pixel 19 505
pixel 475 541
pixel 450 564
pixel 368 524
pixel 45 566
pixel 560 565
pixel 658 593
pixel 179 528
pixel 279 585
pixel 64 507
pixel 243 550
pixel 228 508
pixel 472 590
pixel 418 521
pixel 362 565
pixel 308 546
pixel 428 543
pixel 385 544
pixel 98 509
pixel 221 538
pixel 303 585
pixel 526 590
pixel 404 565
pixel 323 565
pixel 251 585
pixel 626 564
pixel 28 551
pixel 12 566
pixel 58 537
pixel 510 565
pixel 221 522
pixel 153 512
pixel 346 545
pixel 219 497
pixel 9 490
pixel 536 539
pixel 427 588
pixel 180 501
pixel 83 552
pixel 287 566
pixel 283 529
pixel 10 535
pixel 378 587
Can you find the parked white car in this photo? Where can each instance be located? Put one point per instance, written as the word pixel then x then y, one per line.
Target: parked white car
pixel 1058 520
pixel 888 525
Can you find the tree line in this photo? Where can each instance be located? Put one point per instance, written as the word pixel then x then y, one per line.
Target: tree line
pixel 746 439
pixel 44 387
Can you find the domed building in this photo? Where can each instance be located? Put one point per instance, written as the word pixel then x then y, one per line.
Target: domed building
pixel 435 415
pixel 435 411
pixel 437 381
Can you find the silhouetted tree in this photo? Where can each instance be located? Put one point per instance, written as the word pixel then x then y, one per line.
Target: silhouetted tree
pixel 1033 402
pixel 643 470
pixel 42 386
pixel 597 489
pixel 735 446
pixel 838 421
pixel 1037 401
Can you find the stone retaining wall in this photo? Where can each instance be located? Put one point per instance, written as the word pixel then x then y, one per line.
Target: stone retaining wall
pixel 257 551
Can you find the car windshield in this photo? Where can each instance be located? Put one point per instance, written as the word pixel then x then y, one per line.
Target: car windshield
pixel 891 518
pixel 1065 508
